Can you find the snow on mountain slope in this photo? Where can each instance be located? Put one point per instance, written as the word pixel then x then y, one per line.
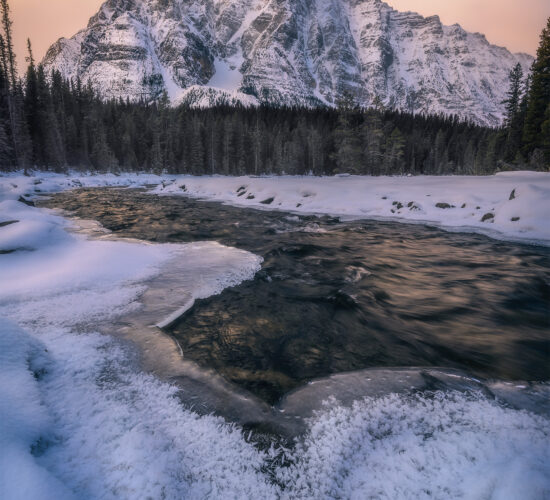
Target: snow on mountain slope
pixel 304 52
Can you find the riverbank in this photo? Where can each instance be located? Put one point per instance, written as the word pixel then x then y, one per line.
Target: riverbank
pixel 82 420
pixel 335 296
pixel 512 206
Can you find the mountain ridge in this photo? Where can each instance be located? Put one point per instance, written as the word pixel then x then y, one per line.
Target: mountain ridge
pixel 294 52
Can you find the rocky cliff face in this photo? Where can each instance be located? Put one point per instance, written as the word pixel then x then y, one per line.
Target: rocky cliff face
pixel 305 52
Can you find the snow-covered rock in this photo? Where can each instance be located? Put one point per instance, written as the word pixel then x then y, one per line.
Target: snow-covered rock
pixel 296 52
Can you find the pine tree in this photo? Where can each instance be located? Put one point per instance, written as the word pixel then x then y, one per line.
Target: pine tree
pixel 468 163
pixel 538 98
pixel 53 150
pixel 514 94
pixel 515 114
pixel 440 154
pixel 480 155
pixel 197 148
pixel 60 98
pixel 156 161
pixel 6 150
pixel 228 146
pixel 315 149
pixel 11 65
pixel 348 151
pixel 71 142
pixel 394 152
pixel 545 132
pixel 373 136
pixel 490 160
pixel 101 156
pixel 31 107
pixel 256 142
pixel 13 92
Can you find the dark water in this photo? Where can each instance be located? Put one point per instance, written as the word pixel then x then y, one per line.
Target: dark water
pixel 334 297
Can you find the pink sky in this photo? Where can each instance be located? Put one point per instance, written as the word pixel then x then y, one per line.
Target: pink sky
pixel 515 24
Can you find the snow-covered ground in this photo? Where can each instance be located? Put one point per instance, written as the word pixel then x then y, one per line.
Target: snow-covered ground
pixel 79 419
pixel 74 407
pixel 512 205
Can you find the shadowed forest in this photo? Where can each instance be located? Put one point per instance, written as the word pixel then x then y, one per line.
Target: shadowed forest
pixel 48 122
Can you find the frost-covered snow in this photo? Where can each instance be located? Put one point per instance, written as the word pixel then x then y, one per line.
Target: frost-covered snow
pixel 79 419
pixel 451 446
pixel 24 418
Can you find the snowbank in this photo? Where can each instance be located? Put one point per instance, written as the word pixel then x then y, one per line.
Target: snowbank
pixel 510 205
pixel 78 418
pixel 25 421
pixel 448 446
pixel 513 205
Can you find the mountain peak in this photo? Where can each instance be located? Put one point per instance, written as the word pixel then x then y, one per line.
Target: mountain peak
pixel 296 52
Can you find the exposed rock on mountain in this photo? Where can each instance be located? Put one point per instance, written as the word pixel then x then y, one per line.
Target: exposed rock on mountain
pixel 305 52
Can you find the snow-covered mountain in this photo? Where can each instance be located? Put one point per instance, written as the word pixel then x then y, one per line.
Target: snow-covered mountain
pixel 305 52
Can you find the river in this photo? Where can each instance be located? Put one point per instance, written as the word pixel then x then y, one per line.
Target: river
pixel 336 296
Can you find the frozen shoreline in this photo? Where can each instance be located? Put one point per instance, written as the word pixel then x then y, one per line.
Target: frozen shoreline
pixel 81 421
pixel 512 206
pixel 78 396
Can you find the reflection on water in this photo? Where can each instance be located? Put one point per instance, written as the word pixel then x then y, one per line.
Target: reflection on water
pixel 334 297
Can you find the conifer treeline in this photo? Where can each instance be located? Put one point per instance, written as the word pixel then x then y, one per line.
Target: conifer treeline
pixel 51 123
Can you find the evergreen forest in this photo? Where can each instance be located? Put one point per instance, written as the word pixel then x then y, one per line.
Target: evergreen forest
pixel 50 123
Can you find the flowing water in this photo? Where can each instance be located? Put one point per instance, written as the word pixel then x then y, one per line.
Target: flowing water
pixel 337 296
